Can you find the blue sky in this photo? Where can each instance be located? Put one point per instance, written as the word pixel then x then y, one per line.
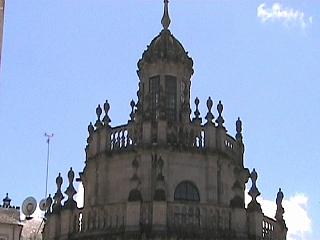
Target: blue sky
pixel 261 58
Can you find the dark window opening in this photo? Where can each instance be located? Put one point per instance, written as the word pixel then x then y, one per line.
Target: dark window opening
pixel 154 89
pixel 171 97
pixel 186 191
pixel 134 196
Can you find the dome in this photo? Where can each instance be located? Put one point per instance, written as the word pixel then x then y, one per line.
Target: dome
pixel 165 47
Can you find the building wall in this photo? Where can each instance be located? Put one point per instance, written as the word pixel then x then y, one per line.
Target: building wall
pixel 105 175
pixel 10 225
pixel 10 231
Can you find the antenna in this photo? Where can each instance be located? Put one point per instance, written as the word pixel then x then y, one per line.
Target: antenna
pixel 48 136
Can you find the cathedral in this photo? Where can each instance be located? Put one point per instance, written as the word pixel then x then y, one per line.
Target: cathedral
pixel 167 173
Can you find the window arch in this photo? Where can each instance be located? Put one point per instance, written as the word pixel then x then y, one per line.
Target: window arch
pixel 186 191
pixel 134 195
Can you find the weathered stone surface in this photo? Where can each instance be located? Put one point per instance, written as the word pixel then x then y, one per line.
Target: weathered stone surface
pixel 163 176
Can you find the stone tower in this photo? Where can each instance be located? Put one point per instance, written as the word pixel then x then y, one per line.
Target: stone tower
pixel 164 174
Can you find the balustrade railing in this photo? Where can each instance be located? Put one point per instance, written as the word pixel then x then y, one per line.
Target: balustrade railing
pixel 230 144
pixel 199 139
pixel 183 218
pixel 268 228
pixel 198 216
pixel 188 137
pixel 111 217
pixel 120 138
pixel 179 216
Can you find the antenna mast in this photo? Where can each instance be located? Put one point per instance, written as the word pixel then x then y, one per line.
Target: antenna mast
pixel 48 136
pixel 2 3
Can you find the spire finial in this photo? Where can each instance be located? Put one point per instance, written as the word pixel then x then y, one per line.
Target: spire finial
pixel 220 119
pixel 98 112
pixel 239 130
pixel 254 206
pixel 106 120
pixel 209 115
pixel 71 191
pixel 165 21
pixel 58 196
pixel 48 204
pixel 280 209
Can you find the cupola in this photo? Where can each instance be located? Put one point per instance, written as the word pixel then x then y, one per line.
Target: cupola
pixel 164 70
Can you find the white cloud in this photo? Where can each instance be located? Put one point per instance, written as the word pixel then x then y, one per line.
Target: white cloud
pixel 284 15
pixel 297 217
pixel 79 198
pixel 296 214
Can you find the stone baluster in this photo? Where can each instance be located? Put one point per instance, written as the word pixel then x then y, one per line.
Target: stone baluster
pixel 118 139
pixel 123 138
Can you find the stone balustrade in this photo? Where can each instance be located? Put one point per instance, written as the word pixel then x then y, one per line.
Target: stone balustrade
pixel 192 137
pixel 198 216
pixel 107 218
pixel 112 217
pixel 230 145
pixel 183 218
pixel 268 228
pixel 120 138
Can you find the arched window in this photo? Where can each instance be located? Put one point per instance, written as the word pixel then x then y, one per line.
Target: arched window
pixel 186 191
pixel 134 196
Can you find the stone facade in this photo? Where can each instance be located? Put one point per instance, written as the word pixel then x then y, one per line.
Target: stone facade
pixel 164 174
pixel 10 224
